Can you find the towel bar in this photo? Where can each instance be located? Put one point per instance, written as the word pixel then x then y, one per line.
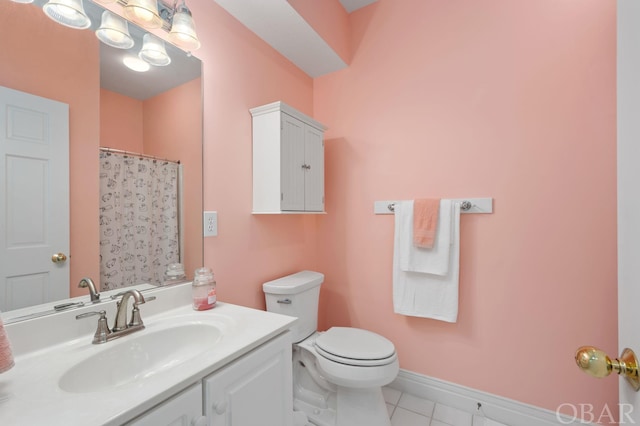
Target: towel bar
pixel 467 205
pixel 464 206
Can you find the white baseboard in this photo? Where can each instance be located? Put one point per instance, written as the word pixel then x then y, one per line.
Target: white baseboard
pixel 497 408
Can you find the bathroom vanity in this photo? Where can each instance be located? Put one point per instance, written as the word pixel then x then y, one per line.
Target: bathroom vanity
pixel 227 366
pixel 249 391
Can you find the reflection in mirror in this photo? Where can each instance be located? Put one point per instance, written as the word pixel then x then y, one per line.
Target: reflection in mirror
pixel 154 114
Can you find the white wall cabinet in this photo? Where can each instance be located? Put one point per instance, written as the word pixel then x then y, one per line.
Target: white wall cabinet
pixel 288 161
pixel 254 390
pixel 183 409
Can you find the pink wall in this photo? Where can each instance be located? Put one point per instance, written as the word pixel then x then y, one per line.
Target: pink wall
pixel 502 98
pixel 330 20
pixel 121 122
pixel 182 140
pixel 46 53
pixel 241 72
pixel 513 100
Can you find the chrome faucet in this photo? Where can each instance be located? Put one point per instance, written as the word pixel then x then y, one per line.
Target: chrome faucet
pixel 120 327
pixel 87 282
pixel 121 313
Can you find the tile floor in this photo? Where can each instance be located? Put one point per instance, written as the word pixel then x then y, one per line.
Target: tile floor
pixel 408 410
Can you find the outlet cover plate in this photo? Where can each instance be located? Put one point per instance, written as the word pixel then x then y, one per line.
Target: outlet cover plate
pixel 210 224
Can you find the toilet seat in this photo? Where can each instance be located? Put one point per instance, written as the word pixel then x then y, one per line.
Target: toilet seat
pixel 355 347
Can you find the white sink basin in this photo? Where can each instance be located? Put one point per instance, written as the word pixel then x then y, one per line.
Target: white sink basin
pixel 140 355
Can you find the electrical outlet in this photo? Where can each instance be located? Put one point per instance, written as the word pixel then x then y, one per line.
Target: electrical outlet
pixel 210 224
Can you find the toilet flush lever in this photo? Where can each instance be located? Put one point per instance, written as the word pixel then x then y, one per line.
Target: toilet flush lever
pixel 285 301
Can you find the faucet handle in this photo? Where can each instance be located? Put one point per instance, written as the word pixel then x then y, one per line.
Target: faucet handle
pixel 136 320
pixel 102 331
pixel 92 313
pixel 138 297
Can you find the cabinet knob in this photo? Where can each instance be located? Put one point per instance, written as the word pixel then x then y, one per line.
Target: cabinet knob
pixel 220 407
pixel 306 166
pixel 199 421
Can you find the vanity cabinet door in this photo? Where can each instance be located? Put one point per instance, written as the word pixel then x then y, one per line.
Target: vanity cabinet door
pixel 254 390
pixel 183 409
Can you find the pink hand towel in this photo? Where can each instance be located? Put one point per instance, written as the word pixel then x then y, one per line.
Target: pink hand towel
pixel 6 357
pixel 425 221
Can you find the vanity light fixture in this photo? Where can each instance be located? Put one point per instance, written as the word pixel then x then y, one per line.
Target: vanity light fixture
pixel 69 13
pixel 136 64
pixel 22 1
pixel 183 29
pixel 144 13
pixel 153 51
pixel 114 31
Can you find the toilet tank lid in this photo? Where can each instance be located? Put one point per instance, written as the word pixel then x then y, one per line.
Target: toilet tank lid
pixel 295 283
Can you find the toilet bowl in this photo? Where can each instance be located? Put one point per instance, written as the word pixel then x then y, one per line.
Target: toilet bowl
pixel 337 374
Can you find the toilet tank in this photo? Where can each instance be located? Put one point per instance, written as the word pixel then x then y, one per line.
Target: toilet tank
pixel 297 296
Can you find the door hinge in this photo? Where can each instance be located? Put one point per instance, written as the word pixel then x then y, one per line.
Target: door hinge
pixel 282 196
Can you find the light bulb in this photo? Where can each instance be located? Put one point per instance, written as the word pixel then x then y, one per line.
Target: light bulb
pixel 69 13
pixel 143 13
pixel 183 29
pixel 114 31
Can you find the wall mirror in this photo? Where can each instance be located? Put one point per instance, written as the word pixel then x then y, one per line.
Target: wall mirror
pixel 108 103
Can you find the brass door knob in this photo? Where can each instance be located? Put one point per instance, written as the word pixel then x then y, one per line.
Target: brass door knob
pixel 596 363
pixel 59 258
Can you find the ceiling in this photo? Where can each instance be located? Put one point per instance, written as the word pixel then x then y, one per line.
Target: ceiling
pixel 351 5
pixel 275 21
pixel 115 77
pixel 282 27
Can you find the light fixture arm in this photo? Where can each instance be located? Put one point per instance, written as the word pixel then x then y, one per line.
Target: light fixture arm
pixel 167 12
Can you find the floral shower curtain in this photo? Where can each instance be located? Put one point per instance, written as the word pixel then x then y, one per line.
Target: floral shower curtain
pixel 139 223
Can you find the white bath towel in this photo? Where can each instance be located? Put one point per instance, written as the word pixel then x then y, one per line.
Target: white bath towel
pixel 426 295
pixel 427 260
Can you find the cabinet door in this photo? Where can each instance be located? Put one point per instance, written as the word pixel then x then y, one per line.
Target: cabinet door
pixel 255 390
pixel 183 409
pixel 292 164
pixel 314 173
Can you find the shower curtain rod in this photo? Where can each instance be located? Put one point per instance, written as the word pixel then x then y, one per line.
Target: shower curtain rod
pixel 136 154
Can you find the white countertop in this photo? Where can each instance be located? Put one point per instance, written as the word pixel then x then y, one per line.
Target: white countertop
pixel 30 395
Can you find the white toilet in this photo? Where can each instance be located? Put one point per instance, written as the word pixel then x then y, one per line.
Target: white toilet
pixel 337 374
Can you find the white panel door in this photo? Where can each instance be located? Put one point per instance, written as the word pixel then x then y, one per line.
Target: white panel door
pixel 628 195
pixel 292 161
pixel 314 173
pixel 34 199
